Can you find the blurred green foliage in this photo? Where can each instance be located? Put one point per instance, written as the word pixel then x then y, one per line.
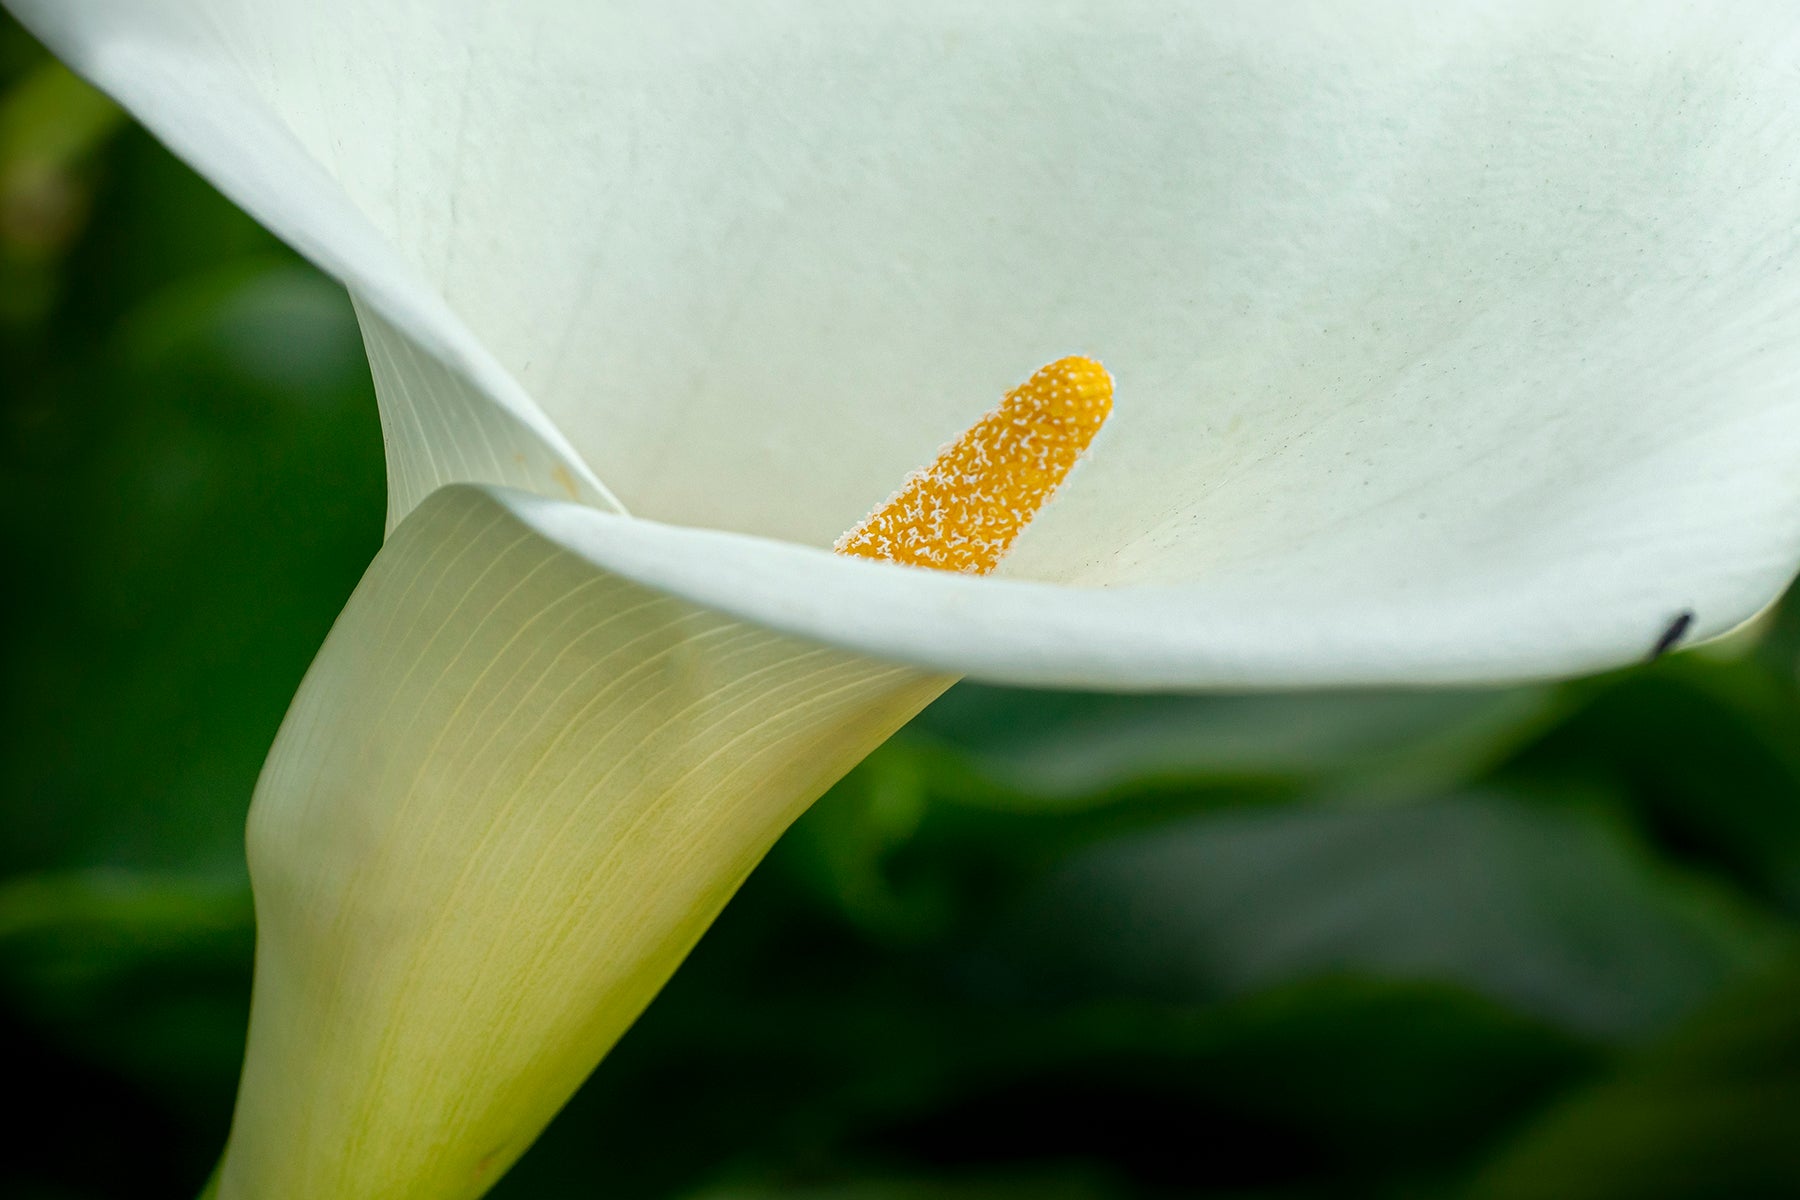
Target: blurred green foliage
pixel 1541 942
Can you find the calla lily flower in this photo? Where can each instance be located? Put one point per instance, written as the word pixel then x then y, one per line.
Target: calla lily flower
pixel 1452 343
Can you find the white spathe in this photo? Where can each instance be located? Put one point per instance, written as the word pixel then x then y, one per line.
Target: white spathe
pixel 1452 344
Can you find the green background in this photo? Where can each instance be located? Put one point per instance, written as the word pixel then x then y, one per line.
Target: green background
pixel 1538 942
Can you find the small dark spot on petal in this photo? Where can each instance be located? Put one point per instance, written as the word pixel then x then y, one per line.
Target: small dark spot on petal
pixel 1671 637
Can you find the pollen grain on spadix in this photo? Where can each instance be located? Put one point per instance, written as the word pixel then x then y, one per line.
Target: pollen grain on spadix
pixel 965 510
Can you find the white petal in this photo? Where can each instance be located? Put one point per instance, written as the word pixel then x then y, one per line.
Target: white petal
pixel 1453 341
pixel 511 794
